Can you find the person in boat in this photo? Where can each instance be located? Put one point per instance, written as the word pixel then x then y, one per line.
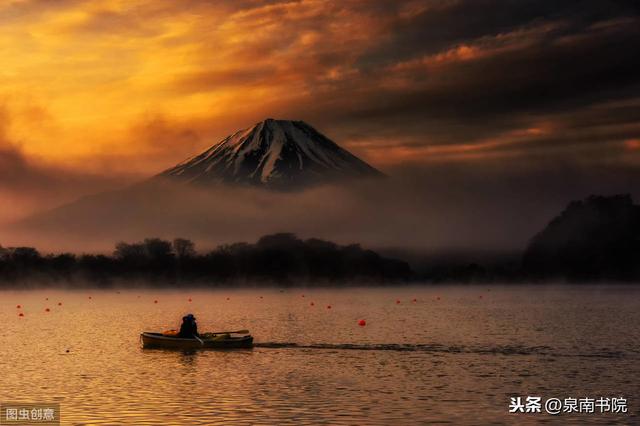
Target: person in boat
pixel 189 328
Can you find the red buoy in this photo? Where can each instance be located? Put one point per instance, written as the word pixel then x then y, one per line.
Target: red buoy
pixel 59 303
pixel 438 298
pixel 362 323
pixel 19 306
pixel 155 301
pixel 328 306
pixel 414 300
pixel 397 302
pixel 20 314
pixel 47 310
pixel 312 304
pixel 89 297
pixel 302 295
pixel 189 299
pixel 480 297
pixel 46 298
pixel 228 298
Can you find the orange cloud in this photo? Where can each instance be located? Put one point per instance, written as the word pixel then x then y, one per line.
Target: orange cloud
pixel 130 87
pixel 99 66
pixel 81 79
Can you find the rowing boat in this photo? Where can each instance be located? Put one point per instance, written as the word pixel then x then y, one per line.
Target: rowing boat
pixel 222 341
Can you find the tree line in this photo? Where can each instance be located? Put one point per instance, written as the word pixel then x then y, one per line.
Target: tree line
pixel 282 259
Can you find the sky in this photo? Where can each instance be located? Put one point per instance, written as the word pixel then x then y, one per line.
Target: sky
pixel 100 94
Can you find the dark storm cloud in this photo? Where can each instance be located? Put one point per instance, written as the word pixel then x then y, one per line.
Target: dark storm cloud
pixel 463 71
pixel 548 71
pixel 439 24
pixel 524 56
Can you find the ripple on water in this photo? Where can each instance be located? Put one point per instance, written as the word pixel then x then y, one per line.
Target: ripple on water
pixel 456 360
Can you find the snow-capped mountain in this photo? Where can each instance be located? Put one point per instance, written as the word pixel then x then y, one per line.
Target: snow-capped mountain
pixel 273 153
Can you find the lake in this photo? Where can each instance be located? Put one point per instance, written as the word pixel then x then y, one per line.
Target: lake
pixel 456 354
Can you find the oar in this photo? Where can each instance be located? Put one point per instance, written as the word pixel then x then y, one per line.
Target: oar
pixel 232 332
pixel 199 340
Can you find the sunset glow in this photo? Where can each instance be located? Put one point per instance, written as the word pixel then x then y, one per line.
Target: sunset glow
pixel 99 94
pixel 371 212
pixel 159 80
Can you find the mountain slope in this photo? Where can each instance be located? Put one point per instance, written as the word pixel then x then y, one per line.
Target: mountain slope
pixel 273 153
pixel 597 238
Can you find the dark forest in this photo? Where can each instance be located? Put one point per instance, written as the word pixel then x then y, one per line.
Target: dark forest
pixel 279 258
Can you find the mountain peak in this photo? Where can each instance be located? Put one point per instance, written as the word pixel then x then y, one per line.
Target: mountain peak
pixel 273 153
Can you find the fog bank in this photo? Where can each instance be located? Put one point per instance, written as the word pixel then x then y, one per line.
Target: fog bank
pixel 440 207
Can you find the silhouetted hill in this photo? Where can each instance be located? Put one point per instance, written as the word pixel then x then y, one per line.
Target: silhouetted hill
pixel 594 239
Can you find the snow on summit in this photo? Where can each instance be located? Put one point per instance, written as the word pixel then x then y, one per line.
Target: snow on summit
pixel 274 153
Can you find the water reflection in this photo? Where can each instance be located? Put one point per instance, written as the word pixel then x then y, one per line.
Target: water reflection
pixel 188 358
pixel 431 361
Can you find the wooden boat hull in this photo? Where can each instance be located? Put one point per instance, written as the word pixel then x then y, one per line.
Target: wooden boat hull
pixel 157 340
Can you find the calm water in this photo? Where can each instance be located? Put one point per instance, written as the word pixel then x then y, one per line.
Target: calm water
pixel 453 360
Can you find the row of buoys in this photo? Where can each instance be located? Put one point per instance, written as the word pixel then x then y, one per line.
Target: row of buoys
pixel 361 322
pixel 313 304
pixel 398 301
pixel 21 314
